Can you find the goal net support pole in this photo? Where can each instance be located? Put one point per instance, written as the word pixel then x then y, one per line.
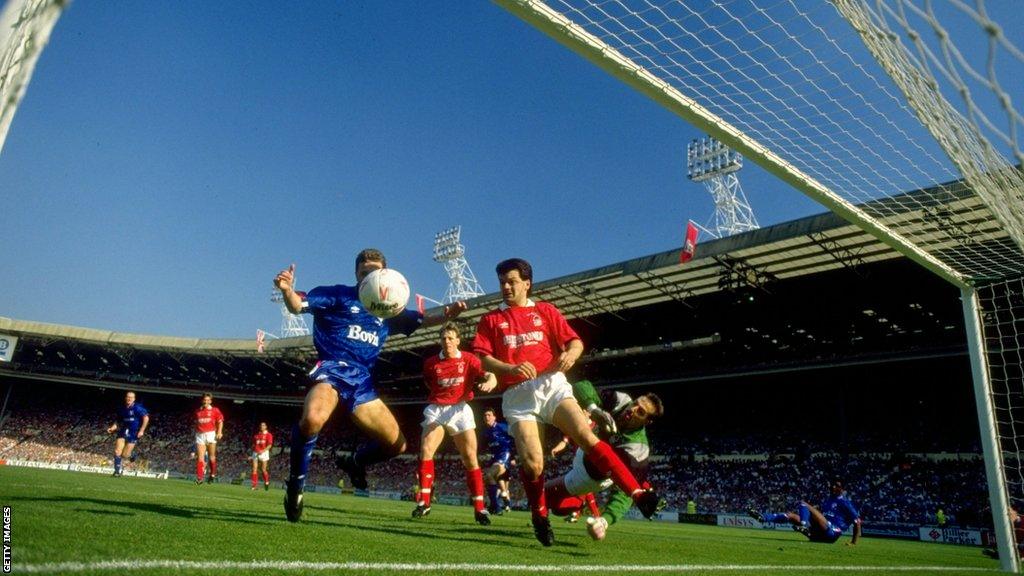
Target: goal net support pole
pixel 990 445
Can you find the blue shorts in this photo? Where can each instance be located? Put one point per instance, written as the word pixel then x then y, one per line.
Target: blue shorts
pixel 502 458
pixel 130 436
pixel 353 385
pixel 829 536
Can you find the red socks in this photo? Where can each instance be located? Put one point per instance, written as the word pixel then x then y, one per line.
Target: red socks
pixel 535 494
pixel 200 470
pixel 603 457
pixel 426 476
pixel 592 504
pixel 475 482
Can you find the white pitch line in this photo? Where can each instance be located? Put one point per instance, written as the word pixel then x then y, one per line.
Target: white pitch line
pixel 129 565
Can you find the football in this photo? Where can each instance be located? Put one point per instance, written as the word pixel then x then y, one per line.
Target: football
pixel 384 293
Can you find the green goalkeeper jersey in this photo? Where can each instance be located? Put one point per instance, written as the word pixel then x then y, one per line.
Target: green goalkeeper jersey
pixel 632 447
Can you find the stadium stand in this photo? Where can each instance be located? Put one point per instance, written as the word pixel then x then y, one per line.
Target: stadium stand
pixel 807 344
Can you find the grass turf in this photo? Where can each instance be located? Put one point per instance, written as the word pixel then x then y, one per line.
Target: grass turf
pixel 64 517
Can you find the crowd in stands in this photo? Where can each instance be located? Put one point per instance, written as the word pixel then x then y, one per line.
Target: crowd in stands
pixel 721 473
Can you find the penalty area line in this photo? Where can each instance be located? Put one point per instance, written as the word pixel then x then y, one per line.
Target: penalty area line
pixel 301 566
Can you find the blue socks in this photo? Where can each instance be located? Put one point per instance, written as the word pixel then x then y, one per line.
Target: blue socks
pixel 492 493
pixel 301 454
pixel 117 464
pixel 775 518
pixel 371 453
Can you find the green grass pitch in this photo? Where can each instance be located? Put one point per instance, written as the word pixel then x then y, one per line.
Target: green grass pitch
pixel 81 523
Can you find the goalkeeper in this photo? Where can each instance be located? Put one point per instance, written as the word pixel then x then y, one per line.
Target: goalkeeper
pixel 621 421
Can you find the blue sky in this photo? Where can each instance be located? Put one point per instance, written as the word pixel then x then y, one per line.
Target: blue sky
pixel 169 159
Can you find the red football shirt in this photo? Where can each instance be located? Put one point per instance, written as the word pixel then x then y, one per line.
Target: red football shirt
pixel 261 441
pixel 451 380
pixel 535 333
pixel 207 419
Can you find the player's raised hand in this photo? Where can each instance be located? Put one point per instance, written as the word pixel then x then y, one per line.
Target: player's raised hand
pixel 605 422
pixel 285 279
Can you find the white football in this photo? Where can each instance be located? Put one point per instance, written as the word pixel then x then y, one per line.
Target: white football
pixel 384 292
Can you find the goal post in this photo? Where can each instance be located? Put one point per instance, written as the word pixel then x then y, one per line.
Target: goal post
pixel 25 27
pixel 990 444
pixel 871 109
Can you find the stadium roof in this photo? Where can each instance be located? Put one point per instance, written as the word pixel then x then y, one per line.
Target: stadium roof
pixel 638 288
pixel 800 247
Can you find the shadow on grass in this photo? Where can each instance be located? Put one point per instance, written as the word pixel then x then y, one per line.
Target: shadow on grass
pixel 186 512
pixel 449 534
pixel 103 512
pixel 441 534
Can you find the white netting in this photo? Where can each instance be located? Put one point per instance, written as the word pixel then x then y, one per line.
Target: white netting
pixel 25 27
pixel 1002 317
pixel 798 79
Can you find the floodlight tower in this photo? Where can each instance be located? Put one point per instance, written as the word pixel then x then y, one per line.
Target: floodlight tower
pixel 452 254
pixel 715 164
pixel 291 324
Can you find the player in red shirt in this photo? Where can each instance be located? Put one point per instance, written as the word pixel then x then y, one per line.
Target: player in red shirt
pixel 450 377
pixel 209 427
pixel 262 442
pixel 530 346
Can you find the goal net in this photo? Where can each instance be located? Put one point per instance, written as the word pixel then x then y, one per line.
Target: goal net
pixel 892 113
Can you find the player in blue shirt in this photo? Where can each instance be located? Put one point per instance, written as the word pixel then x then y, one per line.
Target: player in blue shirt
pixel 826 524
pixel 348 340
pixel 130 425
pixel 500 444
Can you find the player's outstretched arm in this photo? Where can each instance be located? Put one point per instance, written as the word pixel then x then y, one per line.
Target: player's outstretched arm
pixel 285 282
pixel 559 448
pixel 142 428
pixel 443 314
pixel 856 533
pixel 112 428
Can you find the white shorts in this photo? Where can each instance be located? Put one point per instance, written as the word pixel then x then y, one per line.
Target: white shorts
pixel 535 399
pixel 261 456
pixel 206 438
pixel 578 482
pixel 456 418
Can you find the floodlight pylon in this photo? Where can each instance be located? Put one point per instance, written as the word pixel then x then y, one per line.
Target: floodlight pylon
pixel 449 251
pixel 715 164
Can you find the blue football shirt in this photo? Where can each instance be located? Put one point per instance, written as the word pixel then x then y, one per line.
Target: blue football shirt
pixel 498 439
pixel 343 331
pixel 130 417
pixel 839 511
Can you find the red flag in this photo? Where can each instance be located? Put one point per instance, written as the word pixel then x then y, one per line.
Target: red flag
pixel 259 340
pixel 420 304
pixel 690 245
